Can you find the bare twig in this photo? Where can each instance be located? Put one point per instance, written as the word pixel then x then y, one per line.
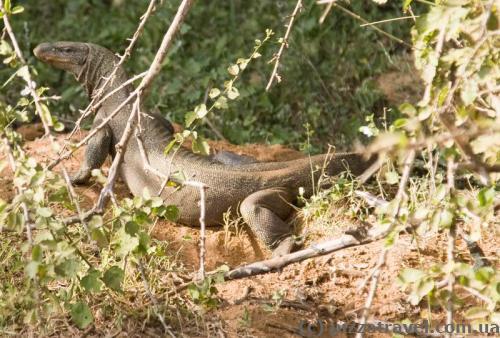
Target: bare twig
pixel 373 288
pixel 38 107
pixel 351 238
pixel 20 190
pixel 93 105
pixel 326 11
pixel 357 17
pixel 383 254
pixel 153 299
pixel 284 44
pixel 207 120
pixel 450 185
pixel 86 113
pixel 94 131
pixel 107 190
pixel 446 120
pixel 388 20
pixel 202 188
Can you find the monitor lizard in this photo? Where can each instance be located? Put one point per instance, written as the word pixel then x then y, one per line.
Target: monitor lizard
pixel 263 192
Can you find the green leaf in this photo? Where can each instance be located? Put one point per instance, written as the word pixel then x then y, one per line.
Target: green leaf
pixel 233 70
pixel 98 174
pixel 98 235
pixel 58 126
pixel 125 243
pixel 17 9
pixel 446 218
pixel 486 196
pixel 424 288
pixel 243 63
pixel 131 228
pixel 6 5
pixel 178 177
pixel 200 146
pixel 443 93
pixel 214 92
pixel 44 212
pixel 68 269
pixel 24 73
pixel 81 314
pixel 440 194
pixel 408 109
pixel 36 253
pixel 113 278
pixel 5 48
pixel 484 274
pixel 169 146
pixel 221 103
pixel 194 292
pixel 201 111
pixel 391 177
pixel 469 92
pixel 91 282
pixel 95 222
pixel 172 213
pixel 31 269
pixel 143 246
pixel 156 202
pixel 189 118
pixel 406 5
pixel 411 275
pixel 233 93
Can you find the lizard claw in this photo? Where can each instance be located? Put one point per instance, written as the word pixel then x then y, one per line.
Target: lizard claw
pixel 81 177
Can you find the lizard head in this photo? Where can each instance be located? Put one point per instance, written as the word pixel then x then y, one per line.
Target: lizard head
pixel 68 56
pixel 88 62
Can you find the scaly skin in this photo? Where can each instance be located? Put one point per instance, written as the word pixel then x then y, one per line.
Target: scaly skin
pixel 262 192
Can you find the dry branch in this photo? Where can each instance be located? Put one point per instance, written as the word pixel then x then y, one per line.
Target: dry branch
pixel 410 158
pixel 284 44
pixel 93 105
pixel 351 238
pixel 146 82
pixel 357 17
pixel 38 107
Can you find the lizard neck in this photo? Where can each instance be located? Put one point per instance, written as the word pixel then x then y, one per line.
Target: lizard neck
pixel 97 69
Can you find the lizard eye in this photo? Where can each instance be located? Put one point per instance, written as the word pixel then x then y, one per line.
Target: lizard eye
pixel 67 49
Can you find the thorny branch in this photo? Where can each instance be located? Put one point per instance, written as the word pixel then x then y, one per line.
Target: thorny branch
pixel 93 105
pixel 450 278
pixel 443 113
pixel 153 298
pixel 383 255
pixel 357 17
pixel 284 43
pixel 36 98
pixel 200 186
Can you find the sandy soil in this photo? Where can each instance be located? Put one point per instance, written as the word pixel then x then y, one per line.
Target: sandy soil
pixel 326 287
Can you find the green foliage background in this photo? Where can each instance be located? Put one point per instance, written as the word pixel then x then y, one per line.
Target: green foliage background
pixel 328 72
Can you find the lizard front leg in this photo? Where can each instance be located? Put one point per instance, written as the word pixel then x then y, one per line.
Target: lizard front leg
pixel 265 213
pixel 96 152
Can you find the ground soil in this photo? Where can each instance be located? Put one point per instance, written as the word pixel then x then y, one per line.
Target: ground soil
pixel 331 286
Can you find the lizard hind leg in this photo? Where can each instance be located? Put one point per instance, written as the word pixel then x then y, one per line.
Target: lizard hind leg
pixel 265 212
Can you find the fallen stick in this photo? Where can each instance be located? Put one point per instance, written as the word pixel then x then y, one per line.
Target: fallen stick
pixel 354 237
